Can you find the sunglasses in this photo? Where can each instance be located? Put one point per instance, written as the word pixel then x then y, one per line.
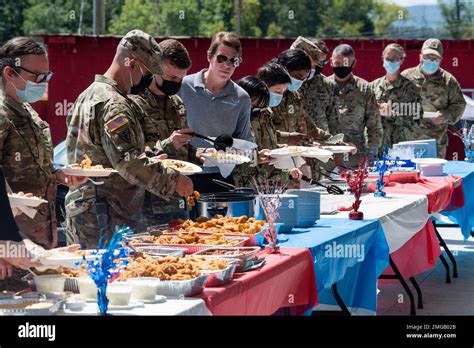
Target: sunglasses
pixel 40 77
pixel 220 58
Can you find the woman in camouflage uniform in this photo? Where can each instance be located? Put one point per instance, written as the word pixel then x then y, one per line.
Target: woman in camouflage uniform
pixel 26 149
pixel 398 98
pixel 272 80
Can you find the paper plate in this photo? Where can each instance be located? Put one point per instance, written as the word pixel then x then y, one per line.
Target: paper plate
pixel 429 114
pixel 56 259
pixel 316 152
pixel 226 158
pixel 288 151
pixel 104 172
pixel 188 169
pixel 338 148
pixel 21 201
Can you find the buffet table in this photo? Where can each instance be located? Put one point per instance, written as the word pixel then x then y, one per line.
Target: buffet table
pixel 286 280
pixel 463 216
pixel 173 306
pixel 355 273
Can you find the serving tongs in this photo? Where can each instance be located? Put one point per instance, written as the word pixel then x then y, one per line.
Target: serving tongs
pixel 332 189
pixel 221 142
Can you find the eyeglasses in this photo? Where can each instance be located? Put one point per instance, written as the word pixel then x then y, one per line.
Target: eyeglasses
pixel 220 58
pixel 432 59
pixel 40 77
pixel 392 60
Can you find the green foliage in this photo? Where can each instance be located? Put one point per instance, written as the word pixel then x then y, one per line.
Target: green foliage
pixel 11 14
pixel 458 16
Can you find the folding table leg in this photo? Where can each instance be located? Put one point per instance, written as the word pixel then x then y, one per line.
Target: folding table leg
pixel 404 284
pixel 446 266
pixel 448 252
pixel 418 292
pixel 339 300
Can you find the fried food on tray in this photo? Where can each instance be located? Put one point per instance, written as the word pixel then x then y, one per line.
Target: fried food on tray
pixel 183 167
pixel 207 264
pixel 67 272
pixel 223 225
pixel 236 251
pixel 188 238
pixel 167 268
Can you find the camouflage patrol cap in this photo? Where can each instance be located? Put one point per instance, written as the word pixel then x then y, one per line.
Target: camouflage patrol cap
pixel 145 49
pixel 432 46
pixel 307 46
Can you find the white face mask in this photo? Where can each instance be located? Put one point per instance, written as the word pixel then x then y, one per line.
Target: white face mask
pixel 33 91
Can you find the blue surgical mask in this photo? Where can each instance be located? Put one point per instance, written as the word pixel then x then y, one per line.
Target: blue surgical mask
pixel 391 67
pixel 295 84
pixel 32 92
pixel 429 66
pixel 275 99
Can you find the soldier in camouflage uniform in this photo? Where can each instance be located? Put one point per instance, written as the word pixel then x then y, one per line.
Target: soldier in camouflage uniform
pixel 398 98
pixel 163 120
pixel 289 116
pixel 264 133
pixel 440 92
pixel 104 124
pixel 319 97
pixel 26 149
pixel 359 115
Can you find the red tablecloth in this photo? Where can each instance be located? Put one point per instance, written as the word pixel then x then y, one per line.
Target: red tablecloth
pixel 286 280
pixel 420 253
pixel 441 192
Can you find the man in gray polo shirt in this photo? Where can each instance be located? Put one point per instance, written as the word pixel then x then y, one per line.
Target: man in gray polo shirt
pixel 216 105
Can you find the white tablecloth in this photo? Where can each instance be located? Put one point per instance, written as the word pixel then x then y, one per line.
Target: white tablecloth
pixel 401 216
pixel 174 306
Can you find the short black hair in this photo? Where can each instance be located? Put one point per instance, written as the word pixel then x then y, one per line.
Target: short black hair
pixel 255 89
pixel 273 74
pixel 294 60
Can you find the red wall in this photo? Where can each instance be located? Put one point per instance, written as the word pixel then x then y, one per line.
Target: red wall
pixel 76 59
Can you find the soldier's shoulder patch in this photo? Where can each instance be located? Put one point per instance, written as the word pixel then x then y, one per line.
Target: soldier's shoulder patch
pixel 115 123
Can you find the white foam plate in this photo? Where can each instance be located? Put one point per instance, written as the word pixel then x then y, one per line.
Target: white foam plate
pixel 288 151
pixel 227 158
pixel 131 305
pixel 56 259
pixel 88 172
pixel 21 201
pixel 193 169
pixel 430 114
pixel 338 148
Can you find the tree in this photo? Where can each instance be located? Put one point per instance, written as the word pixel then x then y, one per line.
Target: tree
pixel 64 16
pixel 384 15
pixel 11 24
pixel 178 18
pixel 458 17
pixel 249 18
pixel 135 14
pixel 346 18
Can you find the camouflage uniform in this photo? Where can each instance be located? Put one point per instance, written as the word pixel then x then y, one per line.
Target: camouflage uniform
pixel 290 117
pixel 439 92
pixel 103 123
pixel 358 113
pixel 26 156
pixel 320 103
pixel 405 107
pixel 265 136
pixel 160 116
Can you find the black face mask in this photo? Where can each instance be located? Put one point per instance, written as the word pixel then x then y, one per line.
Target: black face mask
pixel 342 71
pixel 169 87
pixel 142 85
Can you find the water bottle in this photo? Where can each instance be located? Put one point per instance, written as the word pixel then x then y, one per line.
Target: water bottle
pixel 469 144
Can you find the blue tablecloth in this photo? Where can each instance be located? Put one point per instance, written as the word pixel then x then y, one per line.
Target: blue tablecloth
pixel 463 216
pixel 356 270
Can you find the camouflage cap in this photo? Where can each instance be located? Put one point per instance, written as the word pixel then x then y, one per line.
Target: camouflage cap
pixel 145 49
pixel 432 46
pixel 307 46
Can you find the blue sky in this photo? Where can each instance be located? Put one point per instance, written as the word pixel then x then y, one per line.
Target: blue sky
pixel 414 2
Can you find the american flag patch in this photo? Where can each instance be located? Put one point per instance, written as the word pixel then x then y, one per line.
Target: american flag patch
pixel 116 123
